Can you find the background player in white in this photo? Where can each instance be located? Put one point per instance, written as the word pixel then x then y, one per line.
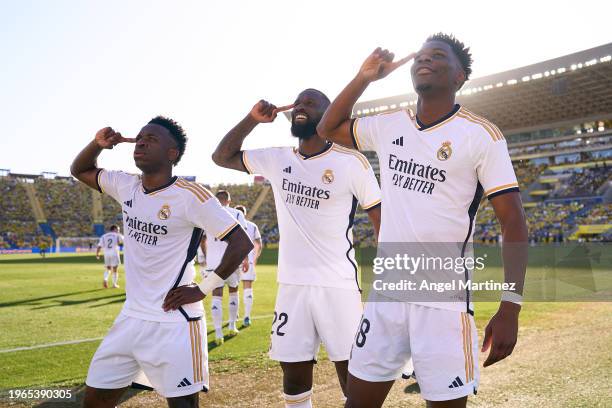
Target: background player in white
pixel 316 190
pixel 163 220
pixel 435 167
pixel 109 243
pixel 248 277
pixel 215 249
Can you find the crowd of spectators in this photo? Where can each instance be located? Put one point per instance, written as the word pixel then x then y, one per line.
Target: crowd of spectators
pixel 583 182
pixel 18 227
pixel 67 206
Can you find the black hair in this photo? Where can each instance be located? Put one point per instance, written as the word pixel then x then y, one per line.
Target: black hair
pixel 114 227
pixel 319 92
pixel 223 193
pixel 459 49
pixel 176 131
pixel 242 209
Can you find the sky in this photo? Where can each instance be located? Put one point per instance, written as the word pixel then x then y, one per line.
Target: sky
pixel 70 68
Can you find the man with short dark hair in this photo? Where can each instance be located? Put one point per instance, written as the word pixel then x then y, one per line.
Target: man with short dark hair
pixel 160 331
pixel 435 167
pixel 317 187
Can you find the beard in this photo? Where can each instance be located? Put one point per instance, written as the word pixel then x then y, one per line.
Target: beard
pixel 304 131
pixel 423 88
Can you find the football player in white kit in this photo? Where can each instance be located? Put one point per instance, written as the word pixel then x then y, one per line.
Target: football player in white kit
pixel 160 333
pixel 317 187
pixel 215 249
pixel 249 276
pixel 436 165
pixel 109 243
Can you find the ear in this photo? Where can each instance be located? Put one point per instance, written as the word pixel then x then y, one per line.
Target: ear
pixel 173 154
pixel 459 78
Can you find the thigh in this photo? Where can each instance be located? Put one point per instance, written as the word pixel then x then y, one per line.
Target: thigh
pixel 336 313
pixel 297 377
pixel 444 347
pixel 233 281
pixel 381 347
pixel 366 394
pixel 114 365
pixel 102 398
pixel 174 357
pixel 293 335
pixel 248 275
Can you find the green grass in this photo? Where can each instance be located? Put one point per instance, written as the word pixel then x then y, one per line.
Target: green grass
pixel 61 299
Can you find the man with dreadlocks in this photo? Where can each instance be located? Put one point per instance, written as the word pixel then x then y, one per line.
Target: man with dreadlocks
pixel 435 166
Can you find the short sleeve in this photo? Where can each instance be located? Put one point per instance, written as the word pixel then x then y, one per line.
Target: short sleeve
pixel 101 241
pixel 212 217
pixel 365 133
pixel 494 169
pixel 364 185
pixel 257 161
pixel 241 220
pixel 256 234
pixel 109 182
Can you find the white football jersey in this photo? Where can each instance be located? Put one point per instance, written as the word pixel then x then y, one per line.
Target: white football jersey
pixel 215 248
pixel 253 233
pixel 434 177
pixel 316 197
pixel 163 228
pixel 109 243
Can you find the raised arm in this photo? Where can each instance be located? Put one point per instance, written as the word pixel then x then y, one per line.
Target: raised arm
pixel 336 122
pixel 502 330
pixel 84 167
pixel 228 153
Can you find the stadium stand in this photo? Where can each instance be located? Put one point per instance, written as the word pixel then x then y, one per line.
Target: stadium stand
pixel 67 205
pixel 556 117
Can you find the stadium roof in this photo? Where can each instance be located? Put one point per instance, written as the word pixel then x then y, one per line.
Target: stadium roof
pixel 561 91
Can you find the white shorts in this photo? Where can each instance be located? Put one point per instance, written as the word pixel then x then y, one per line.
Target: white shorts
pixel 112 260
pixel 306 316
pixel 443 345
pixel 233 281
pixel 172 355
pixel 248 275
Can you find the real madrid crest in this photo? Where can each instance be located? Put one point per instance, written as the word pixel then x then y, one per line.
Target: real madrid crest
pixel 444 152
pixel 164 213
pixel 328 176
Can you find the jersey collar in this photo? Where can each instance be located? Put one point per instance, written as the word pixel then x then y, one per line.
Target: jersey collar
pixel 446 118
pixel 312 156
pixel 155 190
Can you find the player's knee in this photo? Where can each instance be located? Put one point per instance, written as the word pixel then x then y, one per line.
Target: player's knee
pixel 100 398
pixel 185 401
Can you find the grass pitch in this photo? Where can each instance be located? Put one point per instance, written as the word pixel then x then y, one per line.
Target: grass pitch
pixel 60 299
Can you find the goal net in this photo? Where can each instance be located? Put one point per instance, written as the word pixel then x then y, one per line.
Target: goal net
pixel 76 244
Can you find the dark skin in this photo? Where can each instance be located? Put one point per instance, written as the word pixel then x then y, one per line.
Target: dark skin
pixel 436 75
pixel 155 153
pixel 297 376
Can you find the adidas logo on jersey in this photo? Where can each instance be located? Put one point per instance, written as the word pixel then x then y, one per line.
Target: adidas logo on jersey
pixel 456 383
pixel 398 142
pixel 128 203
pixel 287 170
pixel 184 383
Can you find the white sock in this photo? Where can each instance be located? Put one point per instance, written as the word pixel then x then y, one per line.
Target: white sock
pixel 298 401
pixel 247 296
pixel 106 273
pixel 234 302
pixel 115 277
pixel 217 315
